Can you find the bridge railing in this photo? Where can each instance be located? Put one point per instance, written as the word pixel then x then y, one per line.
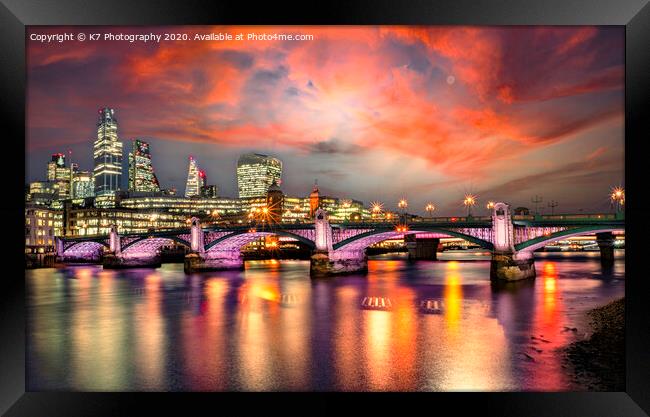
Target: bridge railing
pixel 452 219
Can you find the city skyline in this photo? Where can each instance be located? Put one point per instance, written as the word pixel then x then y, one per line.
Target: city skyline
pixel 502 129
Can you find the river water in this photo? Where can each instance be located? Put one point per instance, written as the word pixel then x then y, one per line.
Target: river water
pixel 270 327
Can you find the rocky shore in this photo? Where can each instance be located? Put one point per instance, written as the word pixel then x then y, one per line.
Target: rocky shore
pixel 598 363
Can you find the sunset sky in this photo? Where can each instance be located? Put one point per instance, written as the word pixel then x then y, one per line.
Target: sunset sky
pixel 373 113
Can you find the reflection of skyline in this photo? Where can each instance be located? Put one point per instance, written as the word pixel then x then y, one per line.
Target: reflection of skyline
pixel 506 113
pixel 141 331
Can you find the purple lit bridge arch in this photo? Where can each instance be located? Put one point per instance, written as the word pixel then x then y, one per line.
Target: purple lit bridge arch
pixel 366 239
pixel 151 245
pixel 231 241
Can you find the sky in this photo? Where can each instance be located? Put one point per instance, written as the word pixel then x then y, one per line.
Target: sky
pixel 374 113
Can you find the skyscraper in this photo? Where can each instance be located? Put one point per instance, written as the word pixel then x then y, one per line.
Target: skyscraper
pixel 141 173
pixel 195 179
pixel 256 173
pixel 61 175
pixel 107 153
pixel 56 169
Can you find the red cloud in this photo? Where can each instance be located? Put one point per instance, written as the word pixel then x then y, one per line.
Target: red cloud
pixel 350 83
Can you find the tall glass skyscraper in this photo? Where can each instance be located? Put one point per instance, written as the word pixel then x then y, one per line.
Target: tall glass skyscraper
pixel 141 174
pixel 256 173
pixel 107 153
pixel 195 179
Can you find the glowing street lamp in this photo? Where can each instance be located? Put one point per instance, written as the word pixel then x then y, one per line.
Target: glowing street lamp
pixel 490 205
pixel 618 197
pixel 469 201
pixel 430 209
pixel 402 204
pixel 376 208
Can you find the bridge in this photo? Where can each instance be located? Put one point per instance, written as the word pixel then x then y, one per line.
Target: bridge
pixel 341 247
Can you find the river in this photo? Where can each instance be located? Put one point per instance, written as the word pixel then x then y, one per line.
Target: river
pixel 270 327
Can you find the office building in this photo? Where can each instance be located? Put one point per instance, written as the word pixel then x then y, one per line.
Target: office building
pixel 83 185
pixel 42 225
pixel 107 154
pixel 256 173
pixel 141 173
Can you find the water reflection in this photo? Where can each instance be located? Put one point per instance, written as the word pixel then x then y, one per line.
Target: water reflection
pixel 270 327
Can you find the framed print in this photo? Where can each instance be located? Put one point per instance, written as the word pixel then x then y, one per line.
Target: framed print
pixel 366 204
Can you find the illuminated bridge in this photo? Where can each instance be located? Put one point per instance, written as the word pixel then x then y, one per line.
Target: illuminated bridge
pixel 341 248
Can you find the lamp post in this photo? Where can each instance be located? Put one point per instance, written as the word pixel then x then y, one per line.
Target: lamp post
pixel 552 204
pixel 490 205
pixel 469 201
pixel 536 200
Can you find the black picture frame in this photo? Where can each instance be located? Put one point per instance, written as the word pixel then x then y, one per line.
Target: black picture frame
pixel 15 15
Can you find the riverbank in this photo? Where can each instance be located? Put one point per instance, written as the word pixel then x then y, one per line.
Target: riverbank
pixel 598 363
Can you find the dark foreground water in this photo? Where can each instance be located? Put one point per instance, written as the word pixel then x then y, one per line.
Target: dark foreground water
pixel 272 328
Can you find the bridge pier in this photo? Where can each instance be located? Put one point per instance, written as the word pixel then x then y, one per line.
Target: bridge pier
pixel 508 264
pixel 605 243
pixel 426 248
pixel 512 266
pixel 122 261
pixel 336 262
pixel 213 261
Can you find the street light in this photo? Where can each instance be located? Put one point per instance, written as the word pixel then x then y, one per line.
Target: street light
pixel 490 205
pixel 402 204
pixel 430 208
pixel 469 201
pixel 618 197
pixel 552 204
pixel 376 207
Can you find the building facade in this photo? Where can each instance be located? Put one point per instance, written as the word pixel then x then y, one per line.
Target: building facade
pixel 42 225
pixel 141 173
pixel 98 221
pixel 107 154
pixel 256 173
pixel 179 204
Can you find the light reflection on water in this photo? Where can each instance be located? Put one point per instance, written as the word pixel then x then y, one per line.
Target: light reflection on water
pixel 272 328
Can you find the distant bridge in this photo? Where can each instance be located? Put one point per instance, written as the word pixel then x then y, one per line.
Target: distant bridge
pixel 344 244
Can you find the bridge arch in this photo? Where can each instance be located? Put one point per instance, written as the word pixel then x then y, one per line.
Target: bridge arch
pixel 541 241
pixel 82 248
pixel 157 239
pixel 150 245
pixel 363 240
pixel 235 241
